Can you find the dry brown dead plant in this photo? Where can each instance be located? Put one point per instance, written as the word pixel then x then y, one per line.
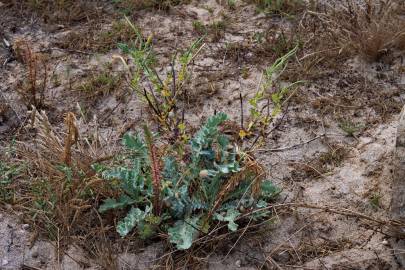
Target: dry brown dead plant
pixel 34 85
pixel 71 137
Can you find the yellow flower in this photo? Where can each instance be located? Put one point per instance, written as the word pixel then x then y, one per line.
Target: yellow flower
pixel 166 92
pixel 243 133
pixel 181 126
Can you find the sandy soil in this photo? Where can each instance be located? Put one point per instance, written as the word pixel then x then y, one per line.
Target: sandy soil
pixel 332 170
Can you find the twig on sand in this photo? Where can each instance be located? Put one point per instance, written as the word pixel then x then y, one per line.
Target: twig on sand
pixel 291 146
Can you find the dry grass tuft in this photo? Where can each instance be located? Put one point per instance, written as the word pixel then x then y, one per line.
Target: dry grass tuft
pixel 131 5
pixel 328 35
pixel 100 83
pixel 52 150
pixel 59 11
pixel 369 29
pixel 323 164
pixel 63 189
pixel 95 38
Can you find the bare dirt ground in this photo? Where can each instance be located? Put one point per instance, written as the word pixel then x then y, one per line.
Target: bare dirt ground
pixel 329 150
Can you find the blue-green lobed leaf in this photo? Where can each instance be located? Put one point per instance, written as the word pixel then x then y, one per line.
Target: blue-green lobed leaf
pixel 109 203
pixel 230 216
pixel 134 216
pixel 183 233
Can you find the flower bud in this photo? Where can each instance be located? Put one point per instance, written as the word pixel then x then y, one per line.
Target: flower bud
pixel 204 173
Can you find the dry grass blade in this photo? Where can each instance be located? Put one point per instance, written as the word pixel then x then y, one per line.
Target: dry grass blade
pixel 71 137
pixel 155 166
pixel 48 144
pixel 251 168
pixel 52 150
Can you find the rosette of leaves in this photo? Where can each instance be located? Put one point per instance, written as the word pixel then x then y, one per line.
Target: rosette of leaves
pixel 214 184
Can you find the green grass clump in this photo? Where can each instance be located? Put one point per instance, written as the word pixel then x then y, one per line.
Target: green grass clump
pixel 350 128
pixel 104 82
pixel 199 27
pixel 375 200
pixel 186 195
pixel 216 30
pixel 231 4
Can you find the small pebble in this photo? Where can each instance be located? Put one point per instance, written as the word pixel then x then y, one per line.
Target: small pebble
pixel 25 226
pixel 4 262
pixel 238 263
pixel 34 254
pixel 385 242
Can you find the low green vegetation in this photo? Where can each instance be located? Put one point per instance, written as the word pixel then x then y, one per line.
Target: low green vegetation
pixel 375 200
pixel 191 192
pixel 8 172
pixel 231 4
pixel 215 30
pixel 270 92
pixel 104 82
pixel 199 27
pixel 162 94
pixel 350 128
